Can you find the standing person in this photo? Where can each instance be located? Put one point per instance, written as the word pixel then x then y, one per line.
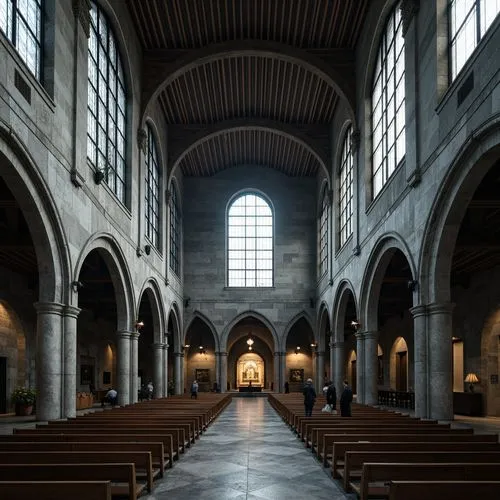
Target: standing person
pixel 331 396
pixel 287 388
pixel 309 397
pixel 346 400
pixel 194 390
pixel 150 389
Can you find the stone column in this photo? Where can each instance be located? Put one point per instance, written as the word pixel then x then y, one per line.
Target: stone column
pixel 339 366
pixel 49 360
pixel 420 363
pixel 321 370
pixel 70 333
pixel 179 358
pixel 277 369
pixel 331 353
pixel 134 367
pixel 283 374
pixel 223 371
pixel 440 361
pixel 165 370
pixel 217 369
pixel 123 367
pixel 158 369
pixel 371 368
pixel 360 368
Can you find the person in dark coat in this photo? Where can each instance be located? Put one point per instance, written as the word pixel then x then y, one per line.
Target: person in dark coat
pixel 346 400
pixel 309 397
pixel 287 388
pixel 331 396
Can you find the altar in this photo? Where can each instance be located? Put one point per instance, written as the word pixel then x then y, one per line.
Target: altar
pixel 250 372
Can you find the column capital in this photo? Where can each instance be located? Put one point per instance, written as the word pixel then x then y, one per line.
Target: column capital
pixel 221 353
pixel 123 334
pixel 320 353
pixel 135 335
pixel 158 346
pixel 371 335
pixel 179 354
pixel 165 346
pixel 338 345
pixel 440 308
pixel 71 311
pixel 409 9
pixel 49 308
pixel 81 10
pixel 420 310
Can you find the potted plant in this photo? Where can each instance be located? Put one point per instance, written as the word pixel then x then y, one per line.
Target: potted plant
pixel 23 399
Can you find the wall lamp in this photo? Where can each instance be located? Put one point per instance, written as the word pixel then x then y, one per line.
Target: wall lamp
pixel 139 325
pixel 297 349
pixel 356 324
pixel 76 286
pixel 471 379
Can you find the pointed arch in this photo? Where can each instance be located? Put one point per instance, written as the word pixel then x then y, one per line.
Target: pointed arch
pixel 116 262
pixel 291 323
pixel 379 259
pixel 249 314
pixel 152 289
pixel 199 315
pixel 344 291
pixel 177 325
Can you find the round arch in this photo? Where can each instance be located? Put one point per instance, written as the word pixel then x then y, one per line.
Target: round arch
pixel 199 315
pixel 473 161
pixel 253 48
pixel 25 181
pixel 152 291
pixel 116 262
pixel 378 261
pixel 244 315
pixel 344 291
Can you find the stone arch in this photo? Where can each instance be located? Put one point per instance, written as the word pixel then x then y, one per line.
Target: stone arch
pixel 282 131
pixel 399 345
pixel 378 261
pixel 116 262
pixel 473 161
pixel 302 314
pixel 22 176
pixel 152 290
pixel 177 324
pixel 208 322
pixel 249 314
pixel 344 290
pixel 324 320
pixel 256 48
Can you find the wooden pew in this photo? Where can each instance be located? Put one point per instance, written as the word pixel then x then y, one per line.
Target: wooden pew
pixel 122 476
pixel 376 476
pixel 341 448
pixel 141 459
pixel 401 436
pixel 439 490
pixel 55 490
pixel 156 449
pixel 354 460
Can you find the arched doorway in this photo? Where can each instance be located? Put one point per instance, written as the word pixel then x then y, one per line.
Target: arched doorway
pixel 250 336
pixel 399 365
pixel 301 351
pixel 352 371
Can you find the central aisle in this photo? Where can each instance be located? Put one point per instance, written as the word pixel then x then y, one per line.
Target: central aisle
pixel 247 453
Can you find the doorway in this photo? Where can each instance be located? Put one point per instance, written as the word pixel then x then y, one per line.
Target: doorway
pixel 3 385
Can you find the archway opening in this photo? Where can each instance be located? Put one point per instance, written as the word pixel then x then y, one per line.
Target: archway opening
pixel 348 324
pixel 352 371
pixel 199 356
pixel 250 370
pixel 301 352
pixel 250 336
pixel 398 372
pixel 323 346
pixel 96 329
pixel 146 357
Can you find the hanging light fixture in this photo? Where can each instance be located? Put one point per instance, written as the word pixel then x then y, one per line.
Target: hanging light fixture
pixel 250 342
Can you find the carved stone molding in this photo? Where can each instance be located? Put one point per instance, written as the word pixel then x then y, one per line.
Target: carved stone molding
pixel 81 10
pixel 142 140
pixel 409 9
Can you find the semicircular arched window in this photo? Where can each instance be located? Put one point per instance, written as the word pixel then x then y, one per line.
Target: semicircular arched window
pixel 250 242
pixel 106 122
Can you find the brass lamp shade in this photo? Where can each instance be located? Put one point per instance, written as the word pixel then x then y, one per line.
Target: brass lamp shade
pixel 471 379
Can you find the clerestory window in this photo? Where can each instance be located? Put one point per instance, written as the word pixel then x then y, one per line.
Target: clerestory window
pixel 250 242
pixel 346 189
pixel 152 191
pixel 175 231
pixel 323 234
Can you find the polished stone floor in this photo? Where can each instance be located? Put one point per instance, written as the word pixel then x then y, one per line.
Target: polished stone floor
pixel 247 453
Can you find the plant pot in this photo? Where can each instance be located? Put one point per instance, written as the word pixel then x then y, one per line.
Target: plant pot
pixel 23 410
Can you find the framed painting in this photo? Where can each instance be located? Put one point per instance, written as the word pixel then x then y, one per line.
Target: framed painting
pixel 86 374
pixel 296 374
pixel 202 375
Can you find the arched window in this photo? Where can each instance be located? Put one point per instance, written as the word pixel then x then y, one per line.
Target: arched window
pixel 106 104
pixel 388 102
pixel 250 242
pixel 175 231
pixel 323 234
pixel 21 22
pixel 469 21
pixel 346 189
pixel 152 191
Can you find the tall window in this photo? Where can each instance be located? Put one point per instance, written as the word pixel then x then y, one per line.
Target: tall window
pixel 250 242
pixel 323 234
pixel 106 104
pixel 469 21
pixel 21 23
pixel 388 102
pixel 175 231
pixel 346 189
pixel 152 191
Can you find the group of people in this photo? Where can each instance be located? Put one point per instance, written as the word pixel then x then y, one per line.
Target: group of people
pixel 331 398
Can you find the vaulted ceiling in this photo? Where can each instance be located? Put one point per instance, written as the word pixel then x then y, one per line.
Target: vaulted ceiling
pixel 244 85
